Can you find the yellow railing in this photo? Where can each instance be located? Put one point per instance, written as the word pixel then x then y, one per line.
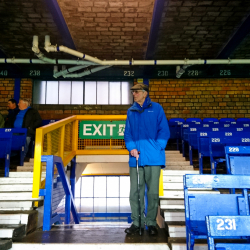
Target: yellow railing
pixel 62 139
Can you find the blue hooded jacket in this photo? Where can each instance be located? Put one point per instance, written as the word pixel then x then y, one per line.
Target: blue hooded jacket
pixel 147 131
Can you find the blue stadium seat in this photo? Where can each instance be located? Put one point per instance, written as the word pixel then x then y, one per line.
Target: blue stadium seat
pixel 193 139
pixel 228 227
pixel 238 160
pixel 5 150
pixel 227 120
pixel 218 142
pixel 243 120
pixel 210 120
pixel 175 129
pixel 185 129
pixel 18 140
pixel 188 120
pixel 198 205
pixel 203 138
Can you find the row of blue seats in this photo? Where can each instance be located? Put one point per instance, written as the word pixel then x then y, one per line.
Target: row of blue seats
pixel 12 140
pixel 177 125
pixel 209 119
pixel 218 215
pixel 210 138
pixel 210 142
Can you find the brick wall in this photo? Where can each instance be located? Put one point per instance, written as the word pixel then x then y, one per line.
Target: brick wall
pixel 203 97
pixel 7 91
pixel 26 89
pixel 179 98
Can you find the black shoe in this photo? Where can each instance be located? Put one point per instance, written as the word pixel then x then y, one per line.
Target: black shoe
pixel 133 229
pixel 152 230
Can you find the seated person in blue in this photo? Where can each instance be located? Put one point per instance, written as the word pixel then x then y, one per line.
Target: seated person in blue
pixel 13 111
pixel 27 118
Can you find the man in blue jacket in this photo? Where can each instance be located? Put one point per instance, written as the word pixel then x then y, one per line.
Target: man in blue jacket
pixel 146 135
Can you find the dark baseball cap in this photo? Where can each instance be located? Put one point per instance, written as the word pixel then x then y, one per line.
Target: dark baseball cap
pixel 140 86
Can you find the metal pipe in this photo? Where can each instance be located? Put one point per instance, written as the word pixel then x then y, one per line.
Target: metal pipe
pixel 86 72
pixel 38 61
pixel 66 71
pixel 125 62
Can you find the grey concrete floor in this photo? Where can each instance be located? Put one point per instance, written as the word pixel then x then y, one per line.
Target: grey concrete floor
pixel 92 234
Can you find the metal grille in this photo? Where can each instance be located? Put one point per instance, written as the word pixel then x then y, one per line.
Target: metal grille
pixel 93 206
pixel 68 137
pixel 59 142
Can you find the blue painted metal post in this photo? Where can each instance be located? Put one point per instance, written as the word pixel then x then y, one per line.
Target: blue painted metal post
pixel 17 89
pixel 67 189
pixel 67 208
pixel 48 193
pixel 59 20
pixel 72 184
pixel 146 81
pixel 155 26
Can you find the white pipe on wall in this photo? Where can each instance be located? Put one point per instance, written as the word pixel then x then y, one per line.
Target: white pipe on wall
pixel 86 72
pixel 51 48
pixel 124 62
pixel 67 71
pixel 38 61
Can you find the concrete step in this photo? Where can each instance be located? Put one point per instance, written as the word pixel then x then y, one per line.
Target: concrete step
pixel 172 202
pixel 13 181
pixel 169 152
pixel 172 179
pixel 5 244
pixel 28 218
pixel 173 186
pixel 18 196
pixel 175 158
pixel 12 231
pixel 178 172
pixel 179 167
pixel 176 246
pixel 90 246
pixel 172 194
pixel 176 231
pixel 174 216
pixel 172 207
pixel 28 164
pixel 28 174
pixel 177 163
pixel 16 188
pixel 16 205
pixel 180 194
pixel 28 169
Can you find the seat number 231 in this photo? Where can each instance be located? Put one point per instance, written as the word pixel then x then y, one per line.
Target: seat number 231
pixel 226 224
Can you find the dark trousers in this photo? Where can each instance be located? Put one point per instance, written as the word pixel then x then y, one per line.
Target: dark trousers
pixel 148 175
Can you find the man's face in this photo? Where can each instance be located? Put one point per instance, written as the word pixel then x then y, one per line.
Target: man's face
pixel 22 105
pixel 11 105
pixel 139 96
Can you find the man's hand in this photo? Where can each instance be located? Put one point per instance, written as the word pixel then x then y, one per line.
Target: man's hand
pixel 134 153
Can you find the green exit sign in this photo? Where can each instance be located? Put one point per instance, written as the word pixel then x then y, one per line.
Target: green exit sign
pixel 102 130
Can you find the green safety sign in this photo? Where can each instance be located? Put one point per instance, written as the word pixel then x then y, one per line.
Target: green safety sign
pixel 102 129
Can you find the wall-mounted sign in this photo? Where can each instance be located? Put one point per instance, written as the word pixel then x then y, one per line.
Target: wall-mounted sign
pixel 102 129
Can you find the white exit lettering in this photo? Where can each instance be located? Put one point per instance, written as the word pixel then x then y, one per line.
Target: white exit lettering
pixel 100 129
